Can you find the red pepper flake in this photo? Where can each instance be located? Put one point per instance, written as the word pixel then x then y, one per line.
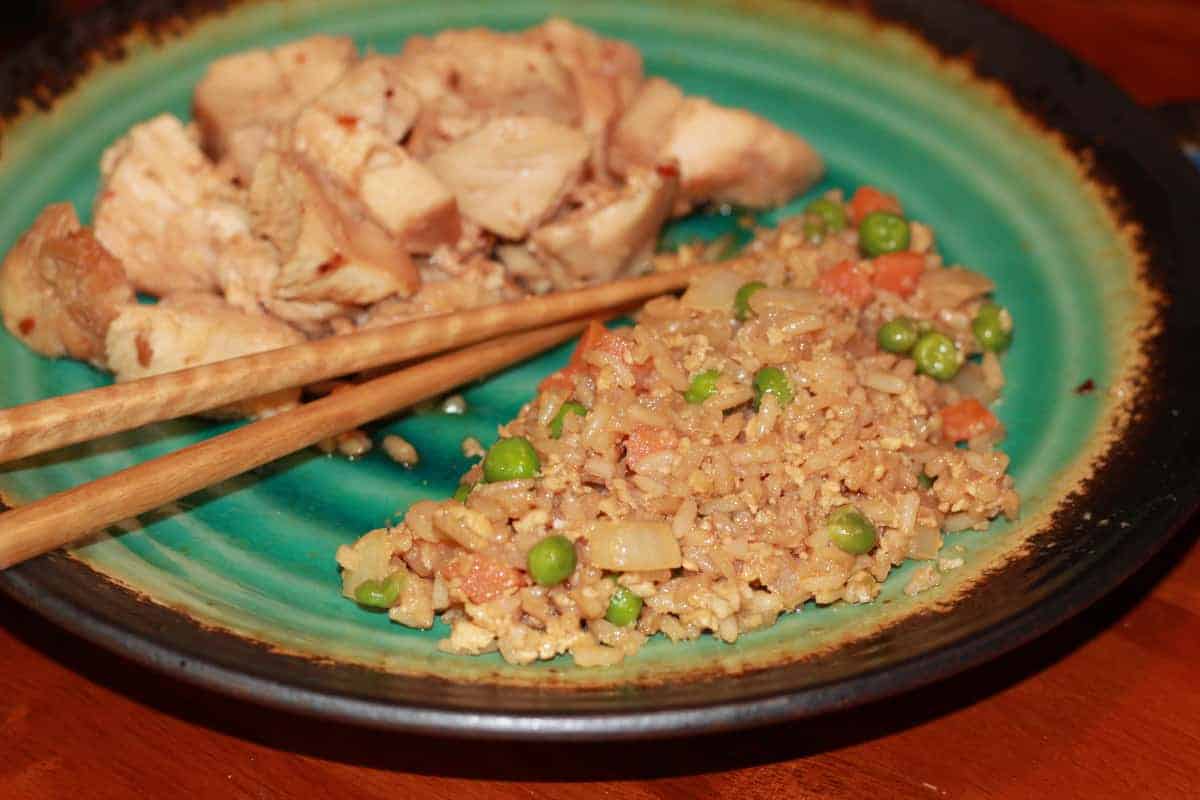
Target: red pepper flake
pixel 26 326
pixel 348 121
pixel 145 353
pixel 332 265
pixel 667 170
pixel 389 94
pixel 453 80
pixel 1087 387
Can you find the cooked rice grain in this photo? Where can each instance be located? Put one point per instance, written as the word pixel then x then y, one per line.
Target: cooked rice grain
pixel 716 510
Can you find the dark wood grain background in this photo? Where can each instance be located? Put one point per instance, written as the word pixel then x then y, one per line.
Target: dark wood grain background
pixel 1105 706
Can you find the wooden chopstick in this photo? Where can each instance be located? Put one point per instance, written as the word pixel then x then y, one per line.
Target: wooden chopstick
pixel 44 525
pixel 49 424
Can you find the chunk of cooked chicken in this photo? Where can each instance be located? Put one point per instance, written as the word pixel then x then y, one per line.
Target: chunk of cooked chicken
pixel 613 234
pixel 242 98
pixel 60 289
pixel 513 173
pixel 464 78
pixel 170 218
pixel 606 73
pixel 190 329
pixel 726 155
pixel 409 200
pixel 373 93
pixel 315 319
pixel 640 136
pixel 459 286
pixel 399 192
pixel 331 250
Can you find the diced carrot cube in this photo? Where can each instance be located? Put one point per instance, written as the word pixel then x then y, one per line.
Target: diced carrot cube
pixel 614 344
pixel 595 338
pixel 591 338
pixel 645 440
pixel 967 419
pixel 899 272
pixel 847 281
pixel 482 578
pixel 562 382
pixel 868 199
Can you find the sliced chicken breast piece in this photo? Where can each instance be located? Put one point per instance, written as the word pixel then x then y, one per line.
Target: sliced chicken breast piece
pixel 612 236
pixel 408 199
pixel 476 283
pixel 728 155
pixel 369 109
pixel 607 74
pixel 331 250
pixel 466 77
pixel 399 192
pixel 168 215
pixel 60 289
pixel 242 98
pixel 725 155
pixel 373 92
pixel 190 329
pixel 641 133
pixel 313 319
pixel 513 173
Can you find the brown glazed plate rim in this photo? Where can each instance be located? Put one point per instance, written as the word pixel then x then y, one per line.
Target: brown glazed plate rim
pixel 1147 485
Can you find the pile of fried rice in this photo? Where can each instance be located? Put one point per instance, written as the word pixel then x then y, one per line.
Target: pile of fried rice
pixel 715 513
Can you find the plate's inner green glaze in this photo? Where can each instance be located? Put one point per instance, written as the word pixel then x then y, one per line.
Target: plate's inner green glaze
pixel 256 555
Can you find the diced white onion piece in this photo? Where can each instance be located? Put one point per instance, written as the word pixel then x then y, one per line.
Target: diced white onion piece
pixel 633 546
pixel 787 299
pixel 713 291
pixel 972 381
pixel 925 543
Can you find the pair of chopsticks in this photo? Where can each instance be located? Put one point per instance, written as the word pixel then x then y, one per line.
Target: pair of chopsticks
pixel 524 327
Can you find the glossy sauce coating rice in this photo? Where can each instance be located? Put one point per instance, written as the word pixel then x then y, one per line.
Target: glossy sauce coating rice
pixel 713 506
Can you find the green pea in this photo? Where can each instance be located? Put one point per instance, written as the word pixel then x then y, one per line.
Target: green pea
pixel 814 230
pixel 624 607
pixel 882 232
pixel 937 356
pixel 850 531
pixel 569 407
pixel 741 301
pixel 703 387
pixel 511 459
pixel 772 380
pixel 898 335
pixel 463 491
pixel 552 560
pixel 924 480
pixel 992 327
pixel 831 214
pixel 380 594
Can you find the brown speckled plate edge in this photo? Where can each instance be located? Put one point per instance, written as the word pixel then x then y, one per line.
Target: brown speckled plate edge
pixel 1146 485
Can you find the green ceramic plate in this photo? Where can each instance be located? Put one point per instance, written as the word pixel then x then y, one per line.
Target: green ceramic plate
pixel 237 586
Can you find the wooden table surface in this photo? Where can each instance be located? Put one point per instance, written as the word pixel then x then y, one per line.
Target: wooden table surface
pixel 1105 706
